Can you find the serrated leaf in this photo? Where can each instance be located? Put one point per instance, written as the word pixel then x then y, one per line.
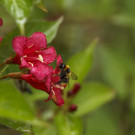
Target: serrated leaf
pixel 40 4
pixel 19 9
pixel 81 62
pixel 92 96
pixel 13 105
pixel 68 125
pixel 48 28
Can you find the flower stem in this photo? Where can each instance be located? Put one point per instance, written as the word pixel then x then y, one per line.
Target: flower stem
pixel 21 25
pixel 16 75
pixel 1 65
pixel 7 61
pixel 4 69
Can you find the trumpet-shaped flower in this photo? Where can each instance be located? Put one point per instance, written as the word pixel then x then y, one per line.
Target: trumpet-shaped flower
pixel 32 53
pixel 48 85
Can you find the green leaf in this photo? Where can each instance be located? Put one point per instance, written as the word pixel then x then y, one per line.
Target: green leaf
pixel 68 125
pixel 103 122
pixel 26 133
pixel 19 9
pixel 116 64
pixel 37 95
pixel 48 28
pixel 13 105
pixel 40 4
pixel 50 130
pixel 92 96
pixel 6 45
pixel 21 127
pixel 81 62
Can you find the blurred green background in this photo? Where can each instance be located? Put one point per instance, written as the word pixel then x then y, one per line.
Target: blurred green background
pixel 113 23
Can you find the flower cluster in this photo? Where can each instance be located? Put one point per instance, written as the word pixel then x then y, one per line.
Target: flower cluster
pixel 48 85
pixel 33 56
pixel 32 53
pixel 34 59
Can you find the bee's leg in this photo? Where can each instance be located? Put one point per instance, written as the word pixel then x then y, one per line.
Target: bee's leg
pixel 56 74
pixel 59 82
pixel 27 88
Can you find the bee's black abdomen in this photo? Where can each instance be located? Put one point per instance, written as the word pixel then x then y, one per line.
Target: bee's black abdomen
pixel 65 80
pixel 68 70
pixel 64 73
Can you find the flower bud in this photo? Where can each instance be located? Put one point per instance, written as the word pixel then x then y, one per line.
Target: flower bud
pixel 72 108
pixel 74 91
pixel 1 22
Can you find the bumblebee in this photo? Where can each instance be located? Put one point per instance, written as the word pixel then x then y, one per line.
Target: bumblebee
pixel 65 74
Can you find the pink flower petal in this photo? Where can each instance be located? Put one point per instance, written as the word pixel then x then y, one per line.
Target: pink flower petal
pixel 48 80
pixel 18 44
pixel 24 63
pixel 34 82
pixel 57 96
pixel 59 60
pixel 74 90
pixel 37 40
pixel 49 55
pixel 49 98
pixel 40 71
pixel 55 78
pixel 30 51
pixel 16 60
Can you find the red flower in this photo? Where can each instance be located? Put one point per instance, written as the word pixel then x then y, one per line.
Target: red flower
pixel 1 22
pixel 48 85
pixel 72 108
pixel 74 91
pixel 33 53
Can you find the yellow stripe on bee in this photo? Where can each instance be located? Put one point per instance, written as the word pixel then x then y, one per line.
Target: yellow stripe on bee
pixel 69 74
pixel 67 67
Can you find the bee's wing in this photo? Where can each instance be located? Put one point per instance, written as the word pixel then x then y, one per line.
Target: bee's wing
pixel 74 76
